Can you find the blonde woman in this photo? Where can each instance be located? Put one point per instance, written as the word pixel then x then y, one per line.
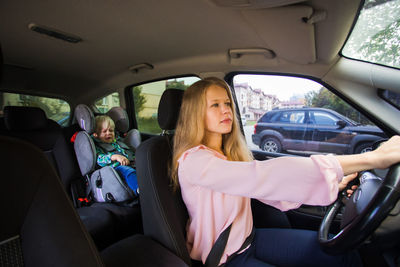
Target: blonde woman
pixel 218 175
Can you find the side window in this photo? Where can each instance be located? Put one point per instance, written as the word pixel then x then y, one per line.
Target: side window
pixel 106 103
pixel 290 115
pixel 323 118
pixel 55 109
pixel 147 98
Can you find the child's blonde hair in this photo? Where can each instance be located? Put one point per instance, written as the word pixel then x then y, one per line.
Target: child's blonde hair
pixel 103 120
pixel 190 129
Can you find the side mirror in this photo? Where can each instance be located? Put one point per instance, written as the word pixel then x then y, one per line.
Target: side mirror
pixel 341 124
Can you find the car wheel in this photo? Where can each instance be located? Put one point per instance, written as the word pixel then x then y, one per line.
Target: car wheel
pixel 271 144
pixel 362 148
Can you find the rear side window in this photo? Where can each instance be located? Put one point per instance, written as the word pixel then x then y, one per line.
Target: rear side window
pixel 55 109
pixel 106 103
pixel 147 98
pixel 292 117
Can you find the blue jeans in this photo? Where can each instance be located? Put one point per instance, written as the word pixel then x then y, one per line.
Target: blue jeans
pixel 290 247
pixel 129 174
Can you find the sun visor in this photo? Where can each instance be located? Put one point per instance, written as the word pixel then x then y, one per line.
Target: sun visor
pixel 282 27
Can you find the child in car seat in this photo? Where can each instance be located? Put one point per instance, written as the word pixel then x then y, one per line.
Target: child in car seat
pixel 112 152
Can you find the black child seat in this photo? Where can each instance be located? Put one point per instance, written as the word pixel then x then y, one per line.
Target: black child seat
pixel 127 214
pixel 163 212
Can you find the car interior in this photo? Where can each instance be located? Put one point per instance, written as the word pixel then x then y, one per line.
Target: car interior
pixel 64 63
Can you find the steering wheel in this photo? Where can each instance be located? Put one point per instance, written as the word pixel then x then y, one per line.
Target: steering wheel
pixel 363 212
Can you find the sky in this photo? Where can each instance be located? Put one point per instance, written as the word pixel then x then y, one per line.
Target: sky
pixel 282 86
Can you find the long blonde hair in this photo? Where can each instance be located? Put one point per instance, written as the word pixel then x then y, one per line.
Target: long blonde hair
pixel 190 128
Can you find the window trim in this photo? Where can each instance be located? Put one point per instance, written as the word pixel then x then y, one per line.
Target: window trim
pixel 385 128
pixel 129 101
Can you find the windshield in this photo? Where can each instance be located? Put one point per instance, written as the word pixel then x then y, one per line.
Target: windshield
pixel 376 35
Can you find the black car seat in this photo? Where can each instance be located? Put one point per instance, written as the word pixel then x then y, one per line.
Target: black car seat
pixel 131 137
pixel 31 124
pixel 41 228
pixel 127 215
pixel 163 212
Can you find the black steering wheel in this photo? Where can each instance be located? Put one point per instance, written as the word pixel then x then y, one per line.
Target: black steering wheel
pixel 363 212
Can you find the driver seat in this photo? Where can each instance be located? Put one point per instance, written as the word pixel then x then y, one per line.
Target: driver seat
pixel 164 213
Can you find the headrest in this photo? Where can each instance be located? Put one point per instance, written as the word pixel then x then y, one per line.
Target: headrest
pixel 169 107
pixel 1 63
pixel 24 118
pixel 120 118
pixel 85 118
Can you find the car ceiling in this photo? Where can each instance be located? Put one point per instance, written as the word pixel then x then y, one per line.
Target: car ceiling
pixel 176 37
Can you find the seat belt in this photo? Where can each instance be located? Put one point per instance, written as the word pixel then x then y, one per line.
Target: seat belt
pixel 217 250
pixel 215 254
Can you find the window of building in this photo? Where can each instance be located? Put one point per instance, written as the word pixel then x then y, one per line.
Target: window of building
pixel 147 98
pixel 55 109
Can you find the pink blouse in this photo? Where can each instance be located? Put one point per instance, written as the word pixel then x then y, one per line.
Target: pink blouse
pixel 217 192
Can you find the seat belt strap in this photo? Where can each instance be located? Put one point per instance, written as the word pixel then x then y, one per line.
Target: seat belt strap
pixel 245 244
pixel 217 250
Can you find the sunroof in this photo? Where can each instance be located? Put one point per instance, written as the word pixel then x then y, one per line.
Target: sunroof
pixel 376 34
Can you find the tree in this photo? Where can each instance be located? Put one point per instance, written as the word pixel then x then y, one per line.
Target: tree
pixel 325 99
pixel 384 47
pixel 376 36
pixel 176 84
pixel 138 98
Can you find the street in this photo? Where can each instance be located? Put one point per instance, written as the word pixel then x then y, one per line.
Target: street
pixel 248 131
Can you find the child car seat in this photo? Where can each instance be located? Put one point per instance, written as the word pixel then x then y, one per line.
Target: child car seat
pixel 105 183
pixel 120 117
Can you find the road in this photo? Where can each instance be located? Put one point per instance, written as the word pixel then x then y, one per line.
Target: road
pixel 248 131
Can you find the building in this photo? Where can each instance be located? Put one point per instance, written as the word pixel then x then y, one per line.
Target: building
pixel 253 102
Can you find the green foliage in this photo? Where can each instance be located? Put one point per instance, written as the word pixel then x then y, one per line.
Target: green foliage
pixel 148 125
pixel 138 98
pixel 384 47
pixel 325 99
pixel 52 107
pixel 177 85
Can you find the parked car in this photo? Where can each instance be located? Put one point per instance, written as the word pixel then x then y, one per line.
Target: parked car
pixel 313 129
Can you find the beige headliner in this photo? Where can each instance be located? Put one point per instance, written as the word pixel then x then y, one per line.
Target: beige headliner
pixel 175 36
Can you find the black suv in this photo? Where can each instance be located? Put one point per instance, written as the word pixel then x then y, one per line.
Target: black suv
pixel 313 130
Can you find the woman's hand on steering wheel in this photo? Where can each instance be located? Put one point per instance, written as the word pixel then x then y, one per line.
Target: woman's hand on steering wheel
pixel 345 182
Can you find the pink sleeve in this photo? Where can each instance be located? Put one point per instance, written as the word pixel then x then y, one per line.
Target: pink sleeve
pixel 285 182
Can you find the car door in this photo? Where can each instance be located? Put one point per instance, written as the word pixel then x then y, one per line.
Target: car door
pixel 291 124
pixel 327 135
